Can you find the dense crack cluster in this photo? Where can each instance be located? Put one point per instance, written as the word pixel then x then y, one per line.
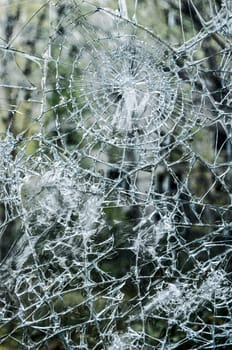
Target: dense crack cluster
pixel 130 91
